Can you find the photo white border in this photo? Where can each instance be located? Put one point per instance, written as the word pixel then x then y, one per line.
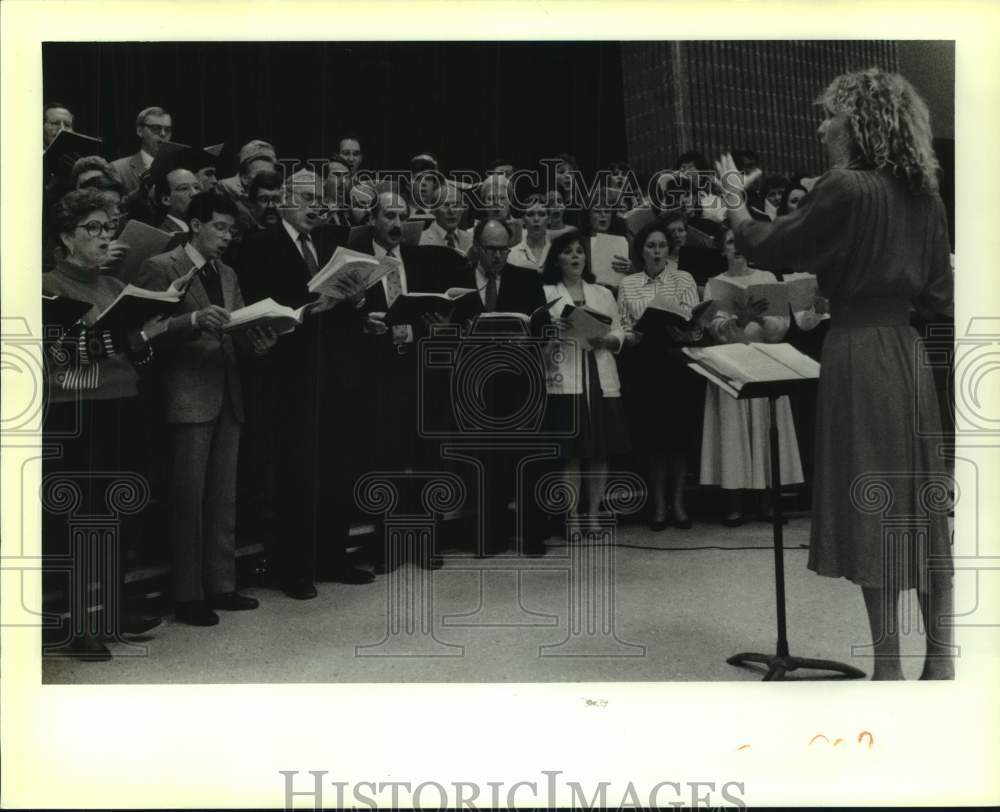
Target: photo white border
pixel 214 745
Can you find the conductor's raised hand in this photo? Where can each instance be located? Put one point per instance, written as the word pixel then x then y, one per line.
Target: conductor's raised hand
pixel 211 318
pixel 731 183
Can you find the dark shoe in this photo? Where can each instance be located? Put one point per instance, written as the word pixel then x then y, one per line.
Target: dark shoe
pixel 136 624
pixel 195 613
pixel 734 521
pixel 86 649
pixel 301 589
pixel 351 575
pixel 658 525
pixel 682 524
pixel 232 602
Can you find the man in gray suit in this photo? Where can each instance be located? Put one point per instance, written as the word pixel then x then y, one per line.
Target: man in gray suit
pixel 153 126
pixel 199 388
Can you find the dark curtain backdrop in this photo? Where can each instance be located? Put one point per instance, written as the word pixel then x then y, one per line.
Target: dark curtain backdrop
pixel 467 102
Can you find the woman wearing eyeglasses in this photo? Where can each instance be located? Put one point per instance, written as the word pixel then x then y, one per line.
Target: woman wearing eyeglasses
pixel 92 416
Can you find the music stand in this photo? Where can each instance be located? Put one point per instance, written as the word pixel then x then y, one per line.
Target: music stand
pixel 782 661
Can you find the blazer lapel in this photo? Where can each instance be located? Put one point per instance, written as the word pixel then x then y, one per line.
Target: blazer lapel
pixel 196 291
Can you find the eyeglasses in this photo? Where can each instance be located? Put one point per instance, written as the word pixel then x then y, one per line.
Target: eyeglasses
pixel 95 227
pixel 224 228
pixel 494 249
pixel 158 129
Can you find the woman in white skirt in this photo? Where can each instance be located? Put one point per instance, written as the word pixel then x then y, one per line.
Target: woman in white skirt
pixel 735 445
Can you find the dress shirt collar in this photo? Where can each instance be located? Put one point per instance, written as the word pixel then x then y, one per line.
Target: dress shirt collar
pixel 381 252
pixel 195 255
pixel 180 223
pixel 146 158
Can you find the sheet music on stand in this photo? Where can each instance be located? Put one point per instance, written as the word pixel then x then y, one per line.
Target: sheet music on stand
pixel 754 370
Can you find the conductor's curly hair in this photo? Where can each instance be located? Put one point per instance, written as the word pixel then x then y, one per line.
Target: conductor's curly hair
pixel 889 125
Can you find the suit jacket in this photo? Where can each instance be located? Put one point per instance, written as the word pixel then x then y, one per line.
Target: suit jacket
pixel 129 170
pixel 269 265
pixel 195 368
pixel 428 268
pixel 520 289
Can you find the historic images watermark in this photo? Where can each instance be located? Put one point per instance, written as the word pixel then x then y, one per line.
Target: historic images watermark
pixel 550 789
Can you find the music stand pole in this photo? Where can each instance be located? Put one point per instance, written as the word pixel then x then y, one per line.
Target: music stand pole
pixel 782 662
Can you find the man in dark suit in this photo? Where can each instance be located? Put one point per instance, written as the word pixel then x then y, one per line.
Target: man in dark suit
pixel 390 384
pixel 199 388
pixel 505 288
pixel 312 376
pixel 153 125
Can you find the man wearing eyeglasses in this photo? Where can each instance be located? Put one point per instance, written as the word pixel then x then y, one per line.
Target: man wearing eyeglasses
pixel 199 388
pixel 310 380
pixel 505 288
pixel 153 126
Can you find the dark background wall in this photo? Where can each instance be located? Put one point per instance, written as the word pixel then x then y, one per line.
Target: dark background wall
pixel 468 102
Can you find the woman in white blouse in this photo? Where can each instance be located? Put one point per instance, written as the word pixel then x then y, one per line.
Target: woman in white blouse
pixel 735 450
pixel 663 398
pixel 582 377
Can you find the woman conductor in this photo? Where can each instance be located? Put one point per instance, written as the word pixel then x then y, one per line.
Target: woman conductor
pixel 874 231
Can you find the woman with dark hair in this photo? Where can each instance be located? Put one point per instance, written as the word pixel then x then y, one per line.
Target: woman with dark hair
pixel 791 198
pixel 874 231
pixel 582 379
pixel 92 407
pixel 662 397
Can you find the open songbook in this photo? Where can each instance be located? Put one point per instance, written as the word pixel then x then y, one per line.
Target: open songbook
pixel 144 242
pixel 803 288
pixel 62 312
pixel 267 312
pixel 584 323
pixel 455 303
pixel 662 312
pixel 799 293
pixel 747 370
pixel 603 249
pixel 346 262
pixel 134 306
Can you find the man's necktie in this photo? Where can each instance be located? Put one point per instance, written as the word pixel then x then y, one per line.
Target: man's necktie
pixel 307 255
pixel 450 239
pixel 491 293
pixel 210 281
pixel 394 287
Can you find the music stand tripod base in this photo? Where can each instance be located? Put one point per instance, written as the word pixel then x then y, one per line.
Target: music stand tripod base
pixel 782 662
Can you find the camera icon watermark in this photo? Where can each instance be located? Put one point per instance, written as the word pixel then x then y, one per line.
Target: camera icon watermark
pixel 966 367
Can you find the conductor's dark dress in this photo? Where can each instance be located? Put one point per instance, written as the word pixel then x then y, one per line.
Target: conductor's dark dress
pixel 878 252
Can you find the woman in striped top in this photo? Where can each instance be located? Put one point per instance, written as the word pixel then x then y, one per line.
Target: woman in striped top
pixel 92 411
pixel 662 397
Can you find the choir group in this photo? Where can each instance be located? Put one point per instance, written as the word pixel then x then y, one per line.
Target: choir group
pixel 196 406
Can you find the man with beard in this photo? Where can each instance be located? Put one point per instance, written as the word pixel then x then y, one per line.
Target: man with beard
pixel 389 390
